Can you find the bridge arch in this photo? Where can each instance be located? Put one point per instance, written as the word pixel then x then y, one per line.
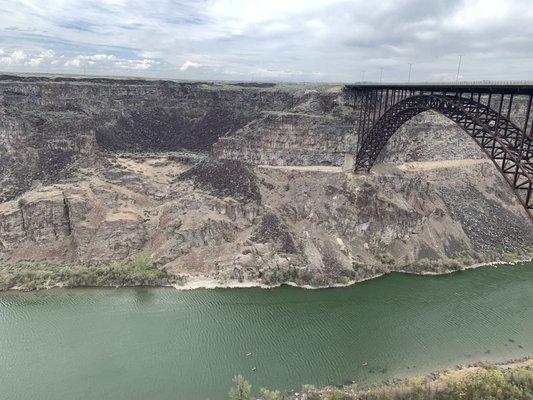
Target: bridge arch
pixel 509 148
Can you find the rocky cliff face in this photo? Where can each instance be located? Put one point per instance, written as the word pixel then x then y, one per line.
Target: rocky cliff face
pixel 99 171
pixel 319 130
pixel 49 125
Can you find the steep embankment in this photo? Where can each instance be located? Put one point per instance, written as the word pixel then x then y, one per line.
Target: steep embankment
pixel 97 171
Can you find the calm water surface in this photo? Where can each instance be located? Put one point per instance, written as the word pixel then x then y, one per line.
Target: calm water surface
pixel 165 344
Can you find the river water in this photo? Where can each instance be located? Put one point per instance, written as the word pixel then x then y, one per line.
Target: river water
pixel 166 344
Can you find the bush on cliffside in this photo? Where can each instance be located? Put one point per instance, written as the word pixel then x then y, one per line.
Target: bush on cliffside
pixel 386 258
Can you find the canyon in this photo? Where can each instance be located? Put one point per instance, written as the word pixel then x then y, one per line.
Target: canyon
pixel 230 182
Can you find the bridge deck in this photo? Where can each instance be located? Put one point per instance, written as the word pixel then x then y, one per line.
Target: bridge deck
pixel 518 88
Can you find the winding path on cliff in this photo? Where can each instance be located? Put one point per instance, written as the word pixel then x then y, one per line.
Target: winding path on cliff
pixel 407 167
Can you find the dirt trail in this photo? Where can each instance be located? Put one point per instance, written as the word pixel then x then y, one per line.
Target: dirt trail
pixel 317 168
pixel 408 167
pixel 429 165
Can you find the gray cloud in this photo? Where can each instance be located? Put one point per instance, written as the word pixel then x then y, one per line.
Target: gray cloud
pixel 298 40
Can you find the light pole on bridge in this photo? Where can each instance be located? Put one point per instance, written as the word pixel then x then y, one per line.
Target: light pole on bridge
pixel 410 68
pixel 459 67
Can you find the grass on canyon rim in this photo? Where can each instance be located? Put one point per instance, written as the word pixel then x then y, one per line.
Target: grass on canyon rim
pixel 488 382
pixel 138 270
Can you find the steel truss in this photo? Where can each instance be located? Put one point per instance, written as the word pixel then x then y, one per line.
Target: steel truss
pixel 384 109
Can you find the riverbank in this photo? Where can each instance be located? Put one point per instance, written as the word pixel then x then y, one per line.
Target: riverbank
pixel 507 380
pixel 139 270
pixel 205 282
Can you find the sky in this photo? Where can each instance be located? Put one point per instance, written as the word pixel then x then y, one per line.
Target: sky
pixel 271 40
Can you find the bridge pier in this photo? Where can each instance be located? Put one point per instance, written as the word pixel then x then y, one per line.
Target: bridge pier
pixel 349 163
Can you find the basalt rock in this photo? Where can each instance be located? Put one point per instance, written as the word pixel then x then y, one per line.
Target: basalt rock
pixel 225 178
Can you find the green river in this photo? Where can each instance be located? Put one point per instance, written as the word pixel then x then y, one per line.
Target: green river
pixel 168 344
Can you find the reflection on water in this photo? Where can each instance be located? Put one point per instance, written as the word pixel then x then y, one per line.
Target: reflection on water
pixel 144 295
pixel 165 344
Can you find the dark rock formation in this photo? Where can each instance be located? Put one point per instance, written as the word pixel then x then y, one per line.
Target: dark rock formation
pixel 225 178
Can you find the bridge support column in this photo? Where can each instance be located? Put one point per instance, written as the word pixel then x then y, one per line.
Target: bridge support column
pixel 349 163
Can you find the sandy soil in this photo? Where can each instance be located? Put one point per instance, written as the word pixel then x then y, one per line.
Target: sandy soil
pixel 408 167
pixel 203 282
pixel 430 165
pixel 316 168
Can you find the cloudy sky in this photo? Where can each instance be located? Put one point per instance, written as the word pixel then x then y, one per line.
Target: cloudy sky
pixel 270 40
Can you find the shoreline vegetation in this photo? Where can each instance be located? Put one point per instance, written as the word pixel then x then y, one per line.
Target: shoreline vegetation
pixel 140 270
pixel 480 381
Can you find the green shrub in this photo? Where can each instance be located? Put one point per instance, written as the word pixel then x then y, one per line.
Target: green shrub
pixel 386 258
pixel 337 395
pixel 139 270
pixel 142 261
pixel 242 389
pixel 266 394
pixel 490 383
pixel 223 276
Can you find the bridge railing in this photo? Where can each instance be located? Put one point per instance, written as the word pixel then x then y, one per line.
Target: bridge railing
pixel 450 83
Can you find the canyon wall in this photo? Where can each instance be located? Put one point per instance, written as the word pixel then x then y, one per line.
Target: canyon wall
pixel 49 125
pixel 239 181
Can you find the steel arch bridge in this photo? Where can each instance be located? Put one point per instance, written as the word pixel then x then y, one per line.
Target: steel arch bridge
pixel 497 116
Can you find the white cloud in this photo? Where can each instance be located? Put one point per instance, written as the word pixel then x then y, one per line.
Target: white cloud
pixel 47 54
pixel 15 58
pixel 35 62
pixel 41 58
pixel 479 14
pixel 107 62
pixel 189 64
pixel 316 24
pixel 143 64
pixel 98 57
pixel 96 62
pixel 18 56
pixel 73 63
pixel 253 12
